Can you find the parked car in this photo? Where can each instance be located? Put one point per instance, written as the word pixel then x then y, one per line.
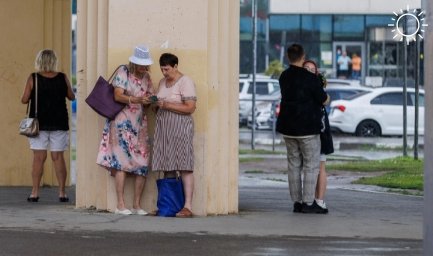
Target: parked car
pixel 347 82
pixel 398 82
pixel 264 112
pixel 377 112
pixel 338 91
pixel 265 86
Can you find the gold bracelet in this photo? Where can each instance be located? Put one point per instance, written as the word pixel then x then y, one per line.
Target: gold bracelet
pixel 129 99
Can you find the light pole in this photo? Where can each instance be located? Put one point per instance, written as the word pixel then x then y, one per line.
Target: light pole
pixel 253 103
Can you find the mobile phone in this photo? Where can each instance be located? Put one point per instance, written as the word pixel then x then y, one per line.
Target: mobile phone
pixel 153 98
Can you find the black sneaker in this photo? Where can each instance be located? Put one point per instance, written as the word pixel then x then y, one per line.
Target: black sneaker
pixel 297 207
pixel 314 208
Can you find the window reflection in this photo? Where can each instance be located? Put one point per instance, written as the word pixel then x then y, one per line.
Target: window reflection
pixel 349 27
pixel 316 27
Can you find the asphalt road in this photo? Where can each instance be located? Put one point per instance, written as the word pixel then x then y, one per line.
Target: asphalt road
pixel 359 223
pixel 72 243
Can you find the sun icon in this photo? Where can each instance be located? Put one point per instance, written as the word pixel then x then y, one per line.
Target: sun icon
pixel 415 25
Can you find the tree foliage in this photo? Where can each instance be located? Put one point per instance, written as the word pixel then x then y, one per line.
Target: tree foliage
pixel 275 69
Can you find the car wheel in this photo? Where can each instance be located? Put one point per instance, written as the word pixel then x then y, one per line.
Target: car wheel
pixel 368 128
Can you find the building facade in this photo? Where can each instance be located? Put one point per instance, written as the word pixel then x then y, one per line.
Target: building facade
pixel 326 29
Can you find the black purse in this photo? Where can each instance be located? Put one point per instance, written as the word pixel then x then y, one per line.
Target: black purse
pixel 326 142
pixel 29 126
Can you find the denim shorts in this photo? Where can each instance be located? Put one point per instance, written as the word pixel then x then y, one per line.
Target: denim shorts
pixel 322 158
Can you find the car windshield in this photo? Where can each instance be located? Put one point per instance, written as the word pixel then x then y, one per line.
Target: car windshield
pixel 276 91
pixel 354 96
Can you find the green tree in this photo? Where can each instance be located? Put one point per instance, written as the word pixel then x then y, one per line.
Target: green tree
pixel 275 69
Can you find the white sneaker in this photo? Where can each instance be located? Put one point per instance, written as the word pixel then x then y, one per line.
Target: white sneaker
pixel 123 212
pixel 321 203
pixel 139 212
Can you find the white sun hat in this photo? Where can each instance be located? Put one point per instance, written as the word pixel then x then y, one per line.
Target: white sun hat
pixel 141 56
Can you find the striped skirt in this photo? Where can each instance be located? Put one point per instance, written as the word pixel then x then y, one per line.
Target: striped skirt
pixel 173 142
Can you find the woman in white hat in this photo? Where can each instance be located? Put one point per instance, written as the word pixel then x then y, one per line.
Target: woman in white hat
pixel 124 148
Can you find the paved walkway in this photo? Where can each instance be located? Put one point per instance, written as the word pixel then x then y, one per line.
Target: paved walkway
pixel 265 209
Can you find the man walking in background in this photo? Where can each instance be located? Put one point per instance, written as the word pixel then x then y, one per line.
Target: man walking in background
pixel 299 122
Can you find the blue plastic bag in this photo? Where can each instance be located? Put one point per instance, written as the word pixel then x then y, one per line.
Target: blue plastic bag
pixel 170 196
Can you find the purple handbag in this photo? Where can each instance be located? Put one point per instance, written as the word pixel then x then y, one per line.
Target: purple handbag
pixel 101 99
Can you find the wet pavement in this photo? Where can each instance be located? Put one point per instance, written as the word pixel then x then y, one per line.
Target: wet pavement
pixel 359 223
pixel 363 220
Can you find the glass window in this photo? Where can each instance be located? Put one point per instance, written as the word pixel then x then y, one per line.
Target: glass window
pixel 316 28
pixel 349 27
pixel 246 59
pixel 321 53
pixel 275 87
pixel 245 25
pixel 376 53
pixel 420 99
pixel 290 24
pixel 241 85
pixel 378 20
pixel 246 28
pixel 261 88
pixel 395 98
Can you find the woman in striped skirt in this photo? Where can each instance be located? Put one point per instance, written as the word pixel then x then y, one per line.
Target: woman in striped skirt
pixel 174 131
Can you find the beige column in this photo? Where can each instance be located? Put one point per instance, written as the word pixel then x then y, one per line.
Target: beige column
pixel 28 26
pixel 204 34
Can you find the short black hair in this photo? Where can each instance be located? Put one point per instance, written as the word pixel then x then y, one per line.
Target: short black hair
pixel 295 52
pixel 168 59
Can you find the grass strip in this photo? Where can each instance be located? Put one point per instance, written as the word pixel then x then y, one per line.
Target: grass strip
pixel 260 152
pixel 250 159
pixel 401 172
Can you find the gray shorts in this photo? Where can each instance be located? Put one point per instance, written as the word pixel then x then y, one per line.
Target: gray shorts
pixel 50 140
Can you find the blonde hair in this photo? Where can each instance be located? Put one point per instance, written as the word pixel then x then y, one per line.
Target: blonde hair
pixel 132 67
pixel 46 61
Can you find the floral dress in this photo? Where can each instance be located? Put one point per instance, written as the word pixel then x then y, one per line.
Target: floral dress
pixel 124 145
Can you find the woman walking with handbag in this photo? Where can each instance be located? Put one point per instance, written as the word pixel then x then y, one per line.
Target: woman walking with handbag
pixel 124 147
pixel 52 90
pixel 174 130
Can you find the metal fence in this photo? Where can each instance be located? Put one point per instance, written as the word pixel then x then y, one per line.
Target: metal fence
pixel 265 117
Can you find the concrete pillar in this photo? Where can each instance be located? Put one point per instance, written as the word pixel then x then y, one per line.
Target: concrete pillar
pixel 427 6
pixel 204 34
pixel 27 27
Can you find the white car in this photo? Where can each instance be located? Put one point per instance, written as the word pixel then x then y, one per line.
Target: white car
pixel 378 112
pixel 265 86
pixel 264 115
pixel 336 89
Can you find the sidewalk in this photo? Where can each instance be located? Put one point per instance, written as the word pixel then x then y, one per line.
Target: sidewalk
pixel 264 210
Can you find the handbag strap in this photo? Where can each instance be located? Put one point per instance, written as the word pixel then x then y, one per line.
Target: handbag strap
pixel 178 176
pixel 36 95
pixel 36 98
pixel 115 71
